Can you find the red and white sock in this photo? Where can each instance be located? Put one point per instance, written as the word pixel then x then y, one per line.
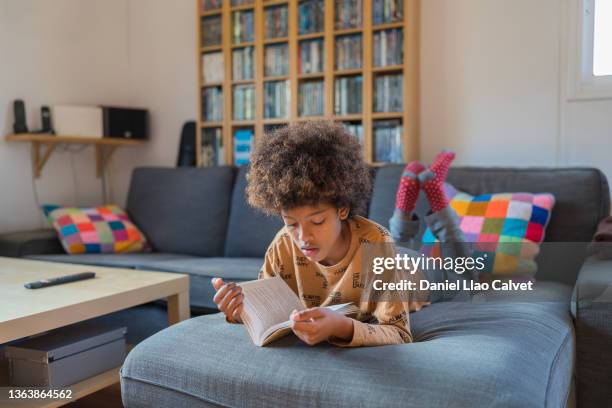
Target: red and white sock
pixel 432 181
pixel 408 190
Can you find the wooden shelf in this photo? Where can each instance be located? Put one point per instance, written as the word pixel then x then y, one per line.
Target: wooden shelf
pixel 243 44
pixel 387 115
pixel 104 147
pixel 242 7
pixel 274 3
pixel 387 26
pixel 312 75
pixel 344 72
pixel 330 35
pixel 350 117
pixel 348 31
pixel 311 36
pixel 388 68
pixel 206 13
pixel 276 78
pixel 278 40
pixel 211 48
pixel 243 81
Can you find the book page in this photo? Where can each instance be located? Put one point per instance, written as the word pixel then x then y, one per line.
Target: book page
pixel 267 302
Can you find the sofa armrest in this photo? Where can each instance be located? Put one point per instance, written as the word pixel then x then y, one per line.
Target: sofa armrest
pixel 33 242
pixel 592 308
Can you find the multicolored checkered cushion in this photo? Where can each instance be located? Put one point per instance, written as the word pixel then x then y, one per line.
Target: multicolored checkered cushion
pixel 506 229
pixel 95 230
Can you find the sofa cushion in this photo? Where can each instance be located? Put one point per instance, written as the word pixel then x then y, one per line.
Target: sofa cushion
pixel 249 231
pixel 582 198
pixel 184 210
pixel 106 229
pixel 465 354
pixel 201 270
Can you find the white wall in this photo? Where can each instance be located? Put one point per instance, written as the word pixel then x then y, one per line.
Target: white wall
pixel 61 51
pixel 114 52
pixel 492 87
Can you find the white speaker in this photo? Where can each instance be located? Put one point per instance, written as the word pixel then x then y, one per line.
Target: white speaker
pixel 71 120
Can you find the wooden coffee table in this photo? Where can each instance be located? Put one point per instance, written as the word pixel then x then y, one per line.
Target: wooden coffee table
pixel 26 312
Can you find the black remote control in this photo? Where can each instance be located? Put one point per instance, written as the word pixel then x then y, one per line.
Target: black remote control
pixel 59 280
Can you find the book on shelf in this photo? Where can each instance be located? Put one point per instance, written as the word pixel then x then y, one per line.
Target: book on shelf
pixel 388 146
pixel 211 31
pixel 388 93
pixel 388 47
pixel 311 16
pixel 276 99
pixel 348 14
pixel 276 60
pixel 311 96
pixel 355 129
pixel 267 307
pixel 244 102
pixel 243 62
pixel 276 21
pixel 212 104
pixel 243 144
pixel 211 4
pixel 387 11
pixel 310 56
pixel 242 27
pixel 212 147
pixel 212 67
pixel 348 51
pixel 347 94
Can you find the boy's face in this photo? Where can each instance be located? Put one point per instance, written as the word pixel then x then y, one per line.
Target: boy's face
pixel 317 231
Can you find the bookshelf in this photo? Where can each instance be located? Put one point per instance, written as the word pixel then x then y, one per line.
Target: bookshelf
pixel 264 64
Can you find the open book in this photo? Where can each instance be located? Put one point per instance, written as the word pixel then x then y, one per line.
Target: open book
pixel 267 305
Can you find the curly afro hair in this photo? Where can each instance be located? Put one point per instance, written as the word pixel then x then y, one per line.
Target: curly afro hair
pixel 307 163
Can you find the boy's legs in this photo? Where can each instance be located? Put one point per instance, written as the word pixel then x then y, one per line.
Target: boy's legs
pixel 404 225
pixel 444 222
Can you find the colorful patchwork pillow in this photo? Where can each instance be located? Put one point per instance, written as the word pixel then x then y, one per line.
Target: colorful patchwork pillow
pixel 506 230
pixel 95 230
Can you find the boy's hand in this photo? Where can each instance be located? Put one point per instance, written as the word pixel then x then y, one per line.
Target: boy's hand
pixel 318 324
pixel 228 298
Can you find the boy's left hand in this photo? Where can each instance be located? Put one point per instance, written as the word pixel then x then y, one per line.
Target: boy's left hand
pixel 318 324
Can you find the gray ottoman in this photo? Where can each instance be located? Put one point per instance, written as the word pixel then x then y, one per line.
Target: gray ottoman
pixel 517 354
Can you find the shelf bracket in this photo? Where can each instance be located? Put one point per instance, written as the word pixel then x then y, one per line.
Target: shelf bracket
pixel 38 160
pixel 103 155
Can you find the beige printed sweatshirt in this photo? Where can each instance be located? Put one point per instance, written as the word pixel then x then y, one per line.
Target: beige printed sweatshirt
pixel 380 323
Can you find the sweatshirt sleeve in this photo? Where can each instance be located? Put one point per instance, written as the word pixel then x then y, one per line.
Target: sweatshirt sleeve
pixel 389 325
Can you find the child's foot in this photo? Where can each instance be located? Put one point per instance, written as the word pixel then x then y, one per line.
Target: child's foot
pixel 408 190
pixel 432 180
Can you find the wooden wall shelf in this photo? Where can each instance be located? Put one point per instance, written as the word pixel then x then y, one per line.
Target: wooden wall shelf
pixel 104 148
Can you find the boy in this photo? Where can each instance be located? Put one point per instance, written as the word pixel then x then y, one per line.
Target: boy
pixel 312 174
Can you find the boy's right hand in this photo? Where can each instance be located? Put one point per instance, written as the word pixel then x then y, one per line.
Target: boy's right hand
pixel 228 298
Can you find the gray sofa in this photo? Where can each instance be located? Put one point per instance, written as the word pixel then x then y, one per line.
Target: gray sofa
pixel 548 351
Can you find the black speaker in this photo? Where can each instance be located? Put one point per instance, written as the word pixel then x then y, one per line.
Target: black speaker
pixel 20 125
pixel 125 123
pixel 187 148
